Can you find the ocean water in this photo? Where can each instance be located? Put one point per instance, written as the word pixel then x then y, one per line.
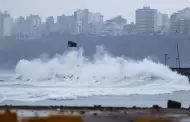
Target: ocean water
pixel 72 79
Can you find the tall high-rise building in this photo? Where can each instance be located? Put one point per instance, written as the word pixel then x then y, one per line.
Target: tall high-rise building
pixel 33 23
pixel 184 26
pixel 95 23
pixel 87 22
pixel 174 23
pixel 146 20
pixel 50 24
pixel 7 24
pixel 81 18
pixel 19 28
pixel 180 22
pixel 184 13
pixel 162 23
pixel 65 24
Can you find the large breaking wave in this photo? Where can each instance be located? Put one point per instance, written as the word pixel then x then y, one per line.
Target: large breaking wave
pixel 72 75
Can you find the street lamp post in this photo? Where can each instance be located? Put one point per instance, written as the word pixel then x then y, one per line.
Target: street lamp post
pixel 165 58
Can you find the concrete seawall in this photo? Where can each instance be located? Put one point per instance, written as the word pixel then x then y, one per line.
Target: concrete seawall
pixel 183 71
pixel 105 114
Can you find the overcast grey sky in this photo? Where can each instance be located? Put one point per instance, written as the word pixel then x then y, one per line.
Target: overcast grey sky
pixel 109 8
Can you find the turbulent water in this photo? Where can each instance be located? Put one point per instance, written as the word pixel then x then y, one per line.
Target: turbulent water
pixel 71 76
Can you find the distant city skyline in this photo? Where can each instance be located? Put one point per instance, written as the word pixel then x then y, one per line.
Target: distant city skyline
pixel 108 8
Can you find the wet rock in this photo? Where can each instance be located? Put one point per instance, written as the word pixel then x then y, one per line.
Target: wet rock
pixel 173 104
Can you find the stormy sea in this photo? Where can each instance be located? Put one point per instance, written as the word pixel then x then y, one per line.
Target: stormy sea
pixel 72 79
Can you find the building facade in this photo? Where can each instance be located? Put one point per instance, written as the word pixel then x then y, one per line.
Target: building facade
pixel 33 23
pixel 129 29
pixel 65 24
pixel 7 24
pixel 162 23
pixel 146 20
pixel 49 25
pixel 95 23
pixel 19 27
pixel 184 26
pixel 180 22
pixel 81 19
pixel 174 23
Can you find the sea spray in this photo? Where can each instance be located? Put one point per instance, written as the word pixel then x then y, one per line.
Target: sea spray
pixel 72 75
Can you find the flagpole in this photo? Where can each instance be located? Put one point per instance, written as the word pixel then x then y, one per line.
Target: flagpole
pixel 178 55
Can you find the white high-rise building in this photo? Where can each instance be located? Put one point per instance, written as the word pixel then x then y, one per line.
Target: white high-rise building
pixel 19 28
pixel 184 26
pixel 180 22
pixel 87 22
pixel 184 13
pixel 146 20
pixel 162 23
pixel 95 23
pixel 7 24
pixel 95 17
pixel 174 23
pixel 33 23
pixel 50 25
pixel 81 21
pixel 65 24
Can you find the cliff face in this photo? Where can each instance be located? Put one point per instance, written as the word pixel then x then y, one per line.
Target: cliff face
pixel 135 47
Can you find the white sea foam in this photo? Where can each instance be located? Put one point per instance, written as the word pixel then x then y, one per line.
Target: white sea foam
pixel 71 75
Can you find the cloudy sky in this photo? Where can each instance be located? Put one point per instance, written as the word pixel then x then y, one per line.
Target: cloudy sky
pixel 109 8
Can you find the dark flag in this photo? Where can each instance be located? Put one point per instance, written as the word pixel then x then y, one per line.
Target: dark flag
pixel 71 44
